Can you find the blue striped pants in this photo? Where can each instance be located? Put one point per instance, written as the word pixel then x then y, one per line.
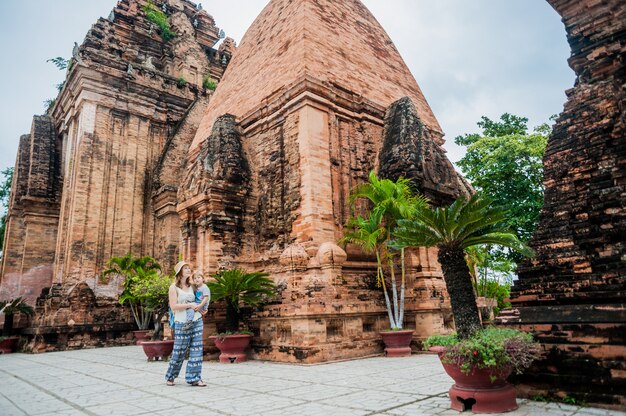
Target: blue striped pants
pixel 187 340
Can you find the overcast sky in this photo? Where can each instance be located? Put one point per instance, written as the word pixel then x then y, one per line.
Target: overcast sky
pixel 470 57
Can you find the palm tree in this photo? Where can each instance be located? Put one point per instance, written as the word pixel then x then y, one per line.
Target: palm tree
pixel 391 201
pixel 466 223
pixel 128 265
pixel 134 270
pixel 237 286
pixel 368 234
pixel 9 308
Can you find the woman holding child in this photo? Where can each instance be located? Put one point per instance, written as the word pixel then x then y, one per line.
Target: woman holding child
pixel 188 326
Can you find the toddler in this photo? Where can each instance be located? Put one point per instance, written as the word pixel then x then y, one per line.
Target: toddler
pixel 203 296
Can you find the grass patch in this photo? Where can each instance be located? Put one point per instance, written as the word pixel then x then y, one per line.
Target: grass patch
pixel 160 19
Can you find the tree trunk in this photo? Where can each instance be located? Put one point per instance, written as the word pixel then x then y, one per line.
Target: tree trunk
pixel 459 284
pixel 232 318
pixel 402 289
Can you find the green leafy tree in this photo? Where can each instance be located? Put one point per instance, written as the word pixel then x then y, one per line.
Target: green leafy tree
pixel 135 270
pixel 492 276
pixel 151 292
pixel 60 62
pixel 390 201
pixel 236 286
pixel 505 163
pixel 453 229
pixel 5 191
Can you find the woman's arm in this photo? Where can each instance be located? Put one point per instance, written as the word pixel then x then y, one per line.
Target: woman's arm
pixel 174 305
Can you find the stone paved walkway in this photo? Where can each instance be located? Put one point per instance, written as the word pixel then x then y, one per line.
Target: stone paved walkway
pixel 119 381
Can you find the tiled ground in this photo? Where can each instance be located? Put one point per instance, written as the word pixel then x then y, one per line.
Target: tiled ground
pixel 119 381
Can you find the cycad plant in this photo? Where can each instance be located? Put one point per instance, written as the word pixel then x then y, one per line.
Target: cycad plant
pixel 390 202
pixel 465 223
pixel 9 308
pixel 134 270
pixel 236 286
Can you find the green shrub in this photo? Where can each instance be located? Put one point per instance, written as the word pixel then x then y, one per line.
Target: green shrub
pixel 493 289
pixel 490 348
pixel 181 82
pixel 208 83
pixel 160 19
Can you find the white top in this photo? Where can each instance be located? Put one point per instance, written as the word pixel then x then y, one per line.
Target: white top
pixel 185 297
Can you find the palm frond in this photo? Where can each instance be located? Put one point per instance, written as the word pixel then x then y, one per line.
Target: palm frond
pixel 502 239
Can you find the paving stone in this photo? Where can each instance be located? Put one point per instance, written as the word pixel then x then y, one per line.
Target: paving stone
pixel 135 387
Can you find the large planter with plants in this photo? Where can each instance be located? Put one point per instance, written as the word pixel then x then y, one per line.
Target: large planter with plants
pixel 137 273
pixel 468 223
pixel 232 347
pixel 158 350
pixel 480 365
pixel 397 343
pixel 146 292
pixel 8 344
pixel 236 286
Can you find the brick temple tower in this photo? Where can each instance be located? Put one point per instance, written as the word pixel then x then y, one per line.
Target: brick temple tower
pixel 572 295
pixel 315 98
pixel 98 174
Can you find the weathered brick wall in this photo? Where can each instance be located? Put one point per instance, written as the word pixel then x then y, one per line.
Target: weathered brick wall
pixel 165 180
pixel 274 161
pixel 410 150
pixel 573 293
pixel 213 195
pixel 33 214
pixel 13 247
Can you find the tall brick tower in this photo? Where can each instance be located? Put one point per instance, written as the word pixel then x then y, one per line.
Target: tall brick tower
pixel 97 176
pixel 315 98
pixel 573 293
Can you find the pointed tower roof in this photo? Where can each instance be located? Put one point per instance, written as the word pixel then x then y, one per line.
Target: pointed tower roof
pixel 337 41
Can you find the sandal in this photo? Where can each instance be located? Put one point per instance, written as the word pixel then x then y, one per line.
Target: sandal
pixel 170 383
pixel 199 384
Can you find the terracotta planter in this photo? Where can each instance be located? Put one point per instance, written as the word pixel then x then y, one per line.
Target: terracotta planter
pixel 477 391
pixel 141 336
pixel 232 347
pixel 157 350
pixel 7 345
pixel 397 343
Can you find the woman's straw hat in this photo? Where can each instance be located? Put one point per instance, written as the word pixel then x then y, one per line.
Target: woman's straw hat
pixel 179 266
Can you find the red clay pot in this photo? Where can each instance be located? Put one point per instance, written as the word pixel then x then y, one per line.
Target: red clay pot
pixel 232 347
pixel 141 336
pixel 477 391
pixel 7 345
pixel 158 350
pixel 397 343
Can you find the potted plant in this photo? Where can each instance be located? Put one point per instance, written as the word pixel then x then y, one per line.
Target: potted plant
pixel 134 270
pixel 152 293
pixel 237 287
pixel 467 223
pixel 390 202
pixel 481 364
pixel 9 308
